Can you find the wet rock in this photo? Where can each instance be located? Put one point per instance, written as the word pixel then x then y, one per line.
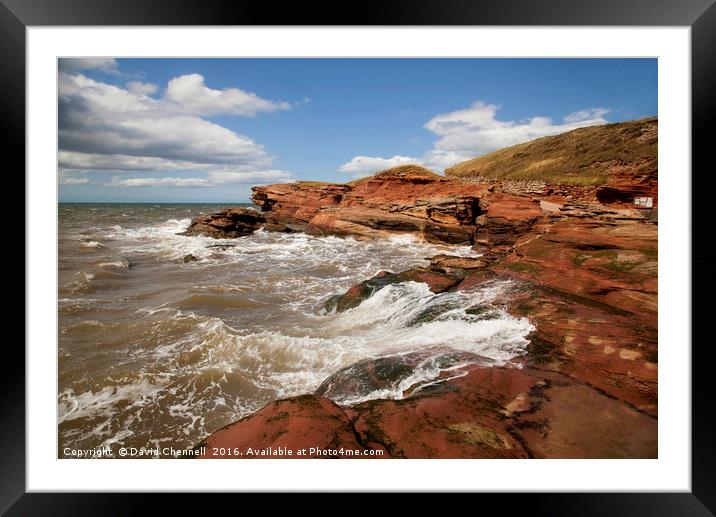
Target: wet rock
pixel 367 376
pixel 303 422
pixel 437 282
pixel 451 263
pixel 356 294
pixel 278 227
pixel 391 375
pixel 487 412
pixel 228 223
pixel 585 265
pixel 189 258
pixel 460 418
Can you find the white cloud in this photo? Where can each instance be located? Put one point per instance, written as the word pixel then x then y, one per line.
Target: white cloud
pixel 72 160
pixel 105 64
pixel 74 181
pixel 141 88
pixel 227 176
pixel 103 127
pixel 439 160
pixel 72 163
pixel 193 96
pixel 100 118
pixel 365 165
pixel 160 182
pixel 72 178
pixel 214 178
pixel 474 131
pixel 588 114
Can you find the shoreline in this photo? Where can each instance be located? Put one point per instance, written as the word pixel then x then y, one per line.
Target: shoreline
pixel 586 273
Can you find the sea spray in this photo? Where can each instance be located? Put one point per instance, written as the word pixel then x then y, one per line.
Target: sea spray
pixel 155 351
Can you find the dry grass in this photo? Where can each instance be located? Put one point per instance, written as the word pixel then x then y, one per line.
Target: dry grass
pixel 402 171
pixel 314 183
pixel 585 156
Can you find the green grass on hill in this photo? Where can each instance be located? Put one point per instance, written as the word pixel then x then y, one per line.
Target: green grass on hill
pixel 585 156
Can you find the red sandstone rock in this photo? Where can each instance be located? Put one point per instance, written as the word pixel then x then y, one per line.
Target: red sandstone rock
pixel 587 387
pixel 438 282
pixel 506 217
pixel 453 264
pixel 228 223
pixel 303 422
pixel 491 412
pixel 297 203
pixel 592 343
pixel 428 206
pixel 614 264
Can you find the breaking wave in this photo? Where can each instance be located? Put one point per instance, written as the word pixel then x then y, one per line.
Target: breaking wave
pixel 155 348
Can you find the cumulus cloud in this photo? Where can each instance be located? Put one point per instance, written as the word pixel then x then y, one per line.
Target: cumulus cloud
pixel 160 182
pixel 105 64
pixel 100 118
pixel 193 96
pixel 72 160
pixel 476 130
pixel 142 88
pixel 588 114
pixel 103 127
pixel 214 177
pixel 69 180
pixel 73 178
pixel 365 165
pixel 228 176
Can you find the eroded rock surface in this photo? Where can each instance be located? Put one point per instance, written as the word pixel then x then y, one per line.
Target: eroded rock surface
pixel 228 223
pixel 402 200
pixel 585 276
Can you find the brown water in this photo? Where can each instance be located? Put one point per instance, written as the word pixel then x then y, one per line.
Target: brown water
pixel 155 351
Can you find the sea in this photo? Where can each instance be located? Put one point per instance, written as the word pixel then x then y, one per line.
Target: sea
pixel 164 338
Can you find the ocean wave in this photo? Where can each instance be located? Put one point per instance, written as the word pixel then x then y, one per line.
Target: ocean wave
pixel 294 359
pixel 175 350
pixel 82 282
pixel 92 244
pixel 165 240
pixel 119 264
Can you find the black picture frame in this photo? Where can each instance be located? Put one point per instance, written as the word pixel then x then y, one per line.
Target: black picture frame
pixel 700 15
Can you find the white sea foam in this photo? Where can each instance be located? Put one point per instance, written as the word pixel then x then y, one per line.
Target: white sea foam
pixel 82 282
pixel 165 240
pixel 119 264
pixel 425 374
pixel 100 403
pixel 291 362
pixel 92 244
pixel 209 341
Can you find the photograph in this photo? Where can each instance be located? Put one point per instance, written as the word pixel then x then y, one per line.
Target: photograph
pixel 357 258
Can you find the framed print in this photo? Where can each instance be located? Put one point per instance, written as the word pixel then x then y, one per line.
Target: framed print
pixel 425 242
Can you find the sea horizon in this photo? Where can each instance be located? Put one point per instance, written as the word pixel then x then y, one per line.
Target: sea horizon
pixel 153 202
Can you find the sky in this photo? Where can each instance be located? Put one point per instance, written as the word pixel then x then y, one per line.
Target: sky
pixel 206 130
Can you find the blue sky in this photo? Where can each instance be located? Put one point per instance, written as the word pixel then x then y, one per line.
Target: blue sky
pixel 200 130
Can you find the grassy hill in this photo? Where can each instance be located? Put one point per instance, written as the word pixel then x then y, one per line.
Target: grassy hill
pixel 402 171
pixel 585 156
